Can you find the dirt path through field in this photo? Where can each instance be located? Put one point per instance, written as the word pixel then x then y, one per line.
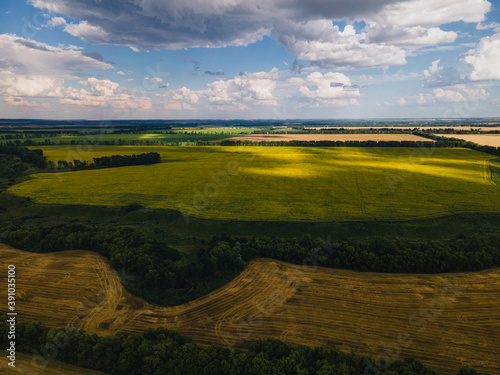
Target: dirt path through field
pixel 446 320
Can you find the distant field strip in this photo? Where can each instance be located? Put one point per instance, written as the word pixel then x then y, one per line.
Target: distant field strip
pixel 481 139
pixel 350 311
pixel 280 183
pixel 330 137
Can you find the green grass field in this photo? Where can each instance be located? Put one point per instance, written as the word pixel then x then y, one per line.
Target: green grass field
pixel 281 183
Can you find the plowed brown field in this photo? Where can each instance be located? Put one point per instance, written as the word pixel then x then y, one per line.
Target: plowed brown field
pixel 445 320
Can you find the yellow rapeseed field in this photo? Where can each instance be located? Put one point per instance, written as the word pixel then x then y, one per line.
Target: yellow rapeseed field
pixel 279 183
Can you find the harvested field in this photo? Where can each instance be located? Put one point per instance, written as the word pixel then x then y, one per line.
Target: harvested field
pixel 29 364
pixel 329 137
pixel 481 139
pixel 435 318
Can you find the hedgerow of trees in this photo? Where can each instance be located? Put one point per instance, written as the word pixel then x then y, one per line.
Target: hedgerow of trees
pixel 109 161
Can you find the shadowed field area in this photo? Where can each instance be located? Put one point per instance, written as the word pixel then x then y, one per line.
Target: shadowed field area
pixel 435 318
pixel 280 183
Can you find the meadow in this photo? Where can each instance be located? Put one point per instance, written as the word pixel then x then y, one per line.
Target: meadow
pixel 280 184
pixel 434 318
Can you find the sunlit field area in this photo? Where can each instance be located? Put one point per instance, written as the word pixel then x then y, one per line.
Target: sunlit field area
pixel 279 183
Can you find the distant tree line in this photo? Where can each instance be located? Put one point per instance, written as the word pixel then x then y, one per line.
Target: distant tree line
pixel 37 134
pixel 336 130
pixel 359 131
pixel 142 130
pixel 111 142
pixel 109 161
pixel 461 131
pixel 36 158
pixel 229 142
pixel 162 351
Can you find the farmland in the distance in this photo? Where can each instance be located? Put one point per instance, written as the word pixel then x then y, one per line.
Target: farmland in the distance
pixel 329 137
pixel 481 139
pixel 279 183
pixel 490 127
pixel 442 316
pixel 172 137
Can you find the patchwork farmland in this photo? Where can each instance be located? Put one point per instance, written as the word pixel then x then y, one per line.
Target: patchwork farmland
pixel 329 137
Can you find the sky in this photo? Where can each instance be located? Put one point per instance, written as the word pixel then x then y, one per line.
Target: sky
pixel 241 59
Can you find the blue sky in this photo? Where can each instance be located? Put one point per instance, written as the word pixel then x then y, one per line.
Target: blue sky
pixel 273 59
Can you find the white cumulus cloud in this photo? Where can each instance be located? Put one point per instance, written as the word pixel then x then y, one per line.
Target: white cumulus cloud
pixel 448 96
pixel 256 88
pixel 331 89
pixel 86 31
pixel 485 59
pixel 56 21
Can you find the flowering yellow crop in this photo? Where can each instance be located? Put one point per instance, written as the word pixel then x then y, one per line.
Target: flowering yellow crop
pixel 279 183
